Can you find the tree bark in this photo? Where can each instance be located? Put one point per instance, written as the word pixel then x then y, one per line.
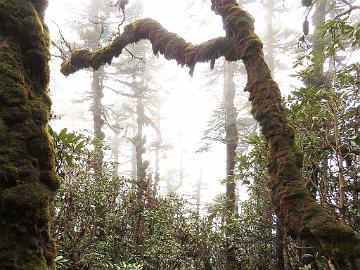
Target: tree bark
pixel 98 122
pixel 27 170
pixel 298 212
pixel 231 139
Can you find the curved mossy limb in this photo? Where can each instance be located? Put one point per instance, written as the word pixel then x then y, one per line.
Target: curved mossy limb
pixel 27 175
pixel 299 213
pixel 164 42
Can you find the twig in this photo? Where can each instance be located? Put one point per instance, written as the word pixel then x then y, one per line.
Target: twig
pixel 347 12
pixel 133 56
pixel 64 47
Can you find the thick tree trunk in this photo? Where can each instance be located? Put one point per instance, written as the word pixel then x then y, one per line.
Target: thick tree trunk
pixel 297 210
pixel 27 174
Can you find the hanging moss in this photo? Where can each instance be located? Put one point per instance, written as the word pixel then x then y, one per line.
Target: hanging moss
pixel 27 178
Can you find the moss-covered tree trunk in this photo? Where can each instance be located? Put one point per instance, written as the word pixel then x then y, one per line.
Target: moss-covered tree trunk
pixel 27 177
pixel 297 210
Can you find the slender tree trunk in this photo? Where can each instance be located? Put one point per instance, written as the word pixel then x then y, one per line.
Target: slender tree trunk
pixel 141 165
pixel 97 91
pixel 340 162
pixel 140 143
pixel 27 173
pixel 133 156
pixel 198 187
pixel 116 145
pixel 98 122
pixel 270 35
pixel 318 43
pixel 231 139
pixel 157 151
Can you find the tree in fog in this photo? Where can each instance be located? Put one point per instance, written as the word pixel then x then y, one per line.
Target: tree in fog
pixel 298 211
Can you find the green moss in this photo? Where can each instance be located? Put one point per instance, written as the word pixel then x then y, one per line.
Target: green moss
pixel 26 197
pixel 51 179
pixel 27 176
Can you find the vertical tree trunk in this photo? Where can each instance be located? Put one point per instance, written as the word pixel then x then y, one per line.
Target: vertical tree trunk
pixel 116 144
pixel 198 187
pixel 93 38
pixel 270 35
pixel 97 109
pixel 157 151
pixel 318 43
pixel 231 139
pixel 133 155
pixel 27 174
pixel 141 166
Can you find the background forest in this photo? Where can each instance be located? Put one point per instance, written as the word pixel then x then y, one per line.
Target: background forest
pixel 160 171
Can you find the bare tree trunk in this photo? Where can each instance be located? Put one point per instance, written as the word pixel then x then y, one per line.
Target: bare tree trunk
pixel 97 109
pixel 198 186
pixel 141 165
pixel 27 174
pixel 318 43
pixel 133 157
pixel 157 152
pixel 116 145
pixel 231 139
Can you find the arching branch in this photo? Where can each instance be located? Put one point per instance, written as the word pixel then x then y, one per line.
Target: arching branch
pixel 298 211
pixel 164 42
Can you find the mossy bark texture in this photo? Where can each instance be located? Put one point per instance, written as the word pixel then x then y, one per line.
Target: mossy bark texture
pixel 297 210
pixel 27 178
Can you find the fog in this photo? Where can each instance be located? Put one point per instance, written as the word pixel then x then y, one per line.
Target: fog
pixel 188 101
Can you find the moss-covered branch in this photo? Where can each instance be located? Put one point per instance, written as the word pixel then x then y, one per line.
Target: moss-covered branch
pixel 164 42
pixel 299 213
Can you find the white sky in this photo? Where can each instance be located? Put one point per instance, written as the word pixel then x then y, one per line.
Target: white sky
pixel 188 107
